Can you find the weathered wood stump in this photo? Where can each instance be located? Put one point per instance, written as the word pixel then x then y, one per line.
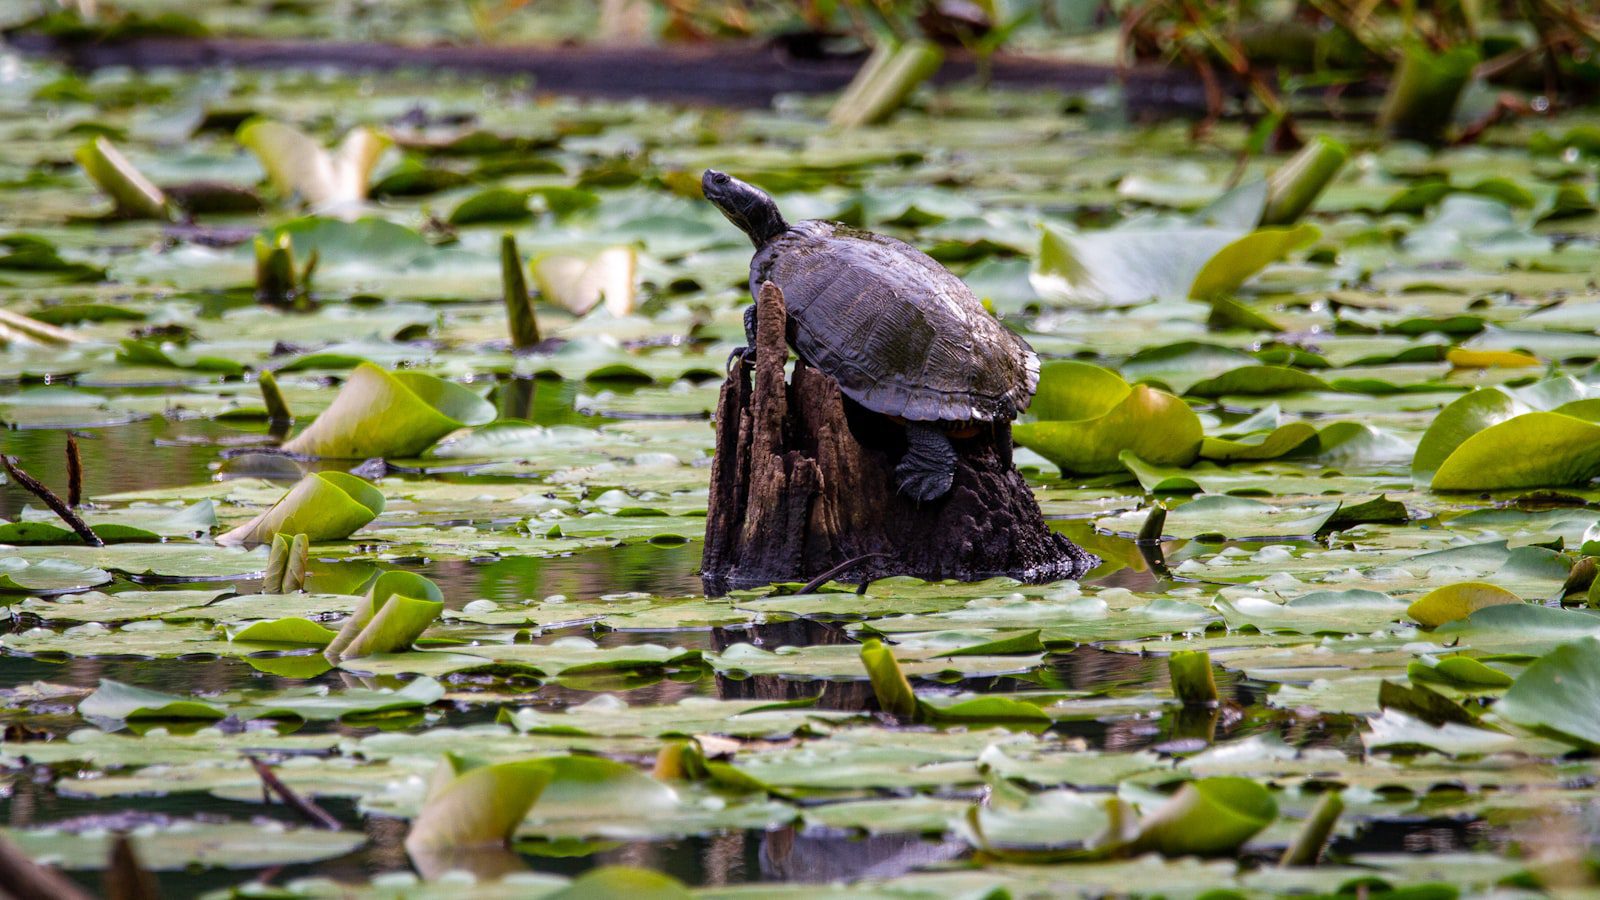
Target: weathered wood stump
pixel 803 482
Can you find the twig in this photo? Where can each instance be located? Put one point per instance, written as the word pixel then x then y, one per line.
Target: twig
pixel 125 878
pixel 845 566
pixel 308 810
pixel 25 879
pixel 74 473
pixel 56 504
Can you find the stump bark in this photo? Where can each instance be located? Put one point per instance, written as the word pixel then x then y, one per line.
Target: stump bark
pixel 803 482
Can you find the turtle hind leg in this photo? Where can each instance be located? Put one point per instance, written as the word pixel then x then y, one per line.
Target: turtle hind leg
pixel 927 470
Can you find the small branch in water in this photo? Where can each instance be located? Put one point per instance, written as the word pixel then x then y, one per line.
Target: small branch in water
pixel 56 504
pixel 125 878
pixel 23 877
pixel 74 473
pixel 312 813
pixel 845 566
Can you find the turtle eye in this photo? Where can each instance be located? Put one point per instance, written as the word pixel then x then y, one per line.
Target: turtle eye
pixel 719 178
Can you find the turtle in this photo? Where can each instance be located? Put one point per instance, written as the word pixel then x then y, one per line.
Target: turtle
pixel 900 333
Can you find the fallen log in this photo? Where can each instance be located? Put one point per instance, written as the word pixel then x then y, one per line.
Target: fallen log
pixel 735 73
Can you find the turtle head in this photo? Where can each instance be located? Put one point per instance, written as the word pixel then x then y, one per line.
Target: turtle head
pixel 745 205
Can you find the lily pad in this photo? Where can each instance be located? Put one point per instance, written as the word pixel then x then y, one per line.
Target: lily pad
pixel 390 414
pixel 324 506
pixel 1558 694
pixel 1087 416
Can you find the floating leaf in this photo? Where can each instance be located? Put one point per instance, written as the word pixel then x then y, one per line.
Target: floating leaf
pixel 1457 422
pixel 495 204
pixel 177 845
pixel 390 414
pixel 1234 264
pixel 1258 380
pixel 1536 449
pixel 1518 630
pixel 579 282
pixel 48 576
pixel 395 611
pixel 292 630
pixel 298 164
pixel 1280 441
pixel 1208 817
pixel 622 881
pixel 1559 694
pixel 1458 671
pixel 134 194
pixel 1124 267
pixel 324 506
pixel 1088 416
pixel 1465 358
pixel 473 803
pixel 1457 601
pixel 115 700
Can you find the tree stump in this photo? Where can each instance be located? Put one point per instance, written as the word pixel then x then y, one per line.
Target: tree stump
pixel 803 483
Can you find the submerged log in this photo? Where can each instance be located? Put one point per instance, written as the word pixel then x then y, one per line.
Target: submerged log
pixel 803 482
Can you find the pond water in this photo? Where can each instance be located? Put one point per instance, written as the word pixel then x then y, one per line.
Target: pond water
pixel 1242 422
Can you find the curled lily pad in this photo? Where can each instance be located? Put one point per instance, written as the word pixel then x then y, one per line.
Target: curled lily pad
pixel 1235 263
pixel 390 414
pixel 472 803
pixel 1536 449
pixel 324 506
pixel 134 194
pixel 298 164
pixel 1208 817
pixel 581 281
pixel 1280 441
pixel 395 611
pixel 1087 416
pixel 1458 601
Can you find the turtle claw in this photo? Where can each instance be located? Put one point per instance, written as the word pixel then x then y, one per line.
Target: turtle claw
pixel 745 355
pixel 928 469
pixel 921 485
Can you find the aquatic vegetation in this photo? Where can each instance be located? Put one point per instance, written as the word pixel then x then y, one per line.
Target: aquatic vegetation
pixel 422 540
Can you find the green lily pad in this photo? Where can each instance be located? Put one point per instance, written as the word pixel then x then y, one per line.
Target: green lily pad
pixel 172 846
pixel 115 700
pixel 1087 416
pixel 1535 449
pixel 324 506
pixel 390 414
pixel 1558 694
pixel 48 576
pixel 1457 601
pixel 395 611
pixel 1208 817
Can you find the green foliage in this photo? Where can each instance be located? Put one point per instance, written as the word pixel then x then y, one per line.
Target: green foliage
pixel 1087 416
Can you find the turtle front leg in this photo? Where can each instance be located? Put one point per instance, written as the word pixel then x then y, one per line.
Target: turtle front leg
pixel 746 354
pixel 927 470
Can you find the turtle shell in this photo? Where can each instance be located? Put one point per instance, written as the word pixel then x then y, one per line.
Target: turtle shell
pixel 901 334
